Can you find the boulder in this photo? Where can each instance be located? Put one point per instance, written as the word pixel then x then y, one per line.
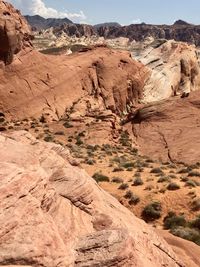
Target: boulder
pixel 14 32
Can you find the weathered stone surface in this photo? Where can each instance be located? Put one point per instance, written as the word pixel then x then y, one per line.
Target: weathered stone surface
pixel 52 214
pixel 173 67
pixel 14 32
pixel 108 79
pixel 169 130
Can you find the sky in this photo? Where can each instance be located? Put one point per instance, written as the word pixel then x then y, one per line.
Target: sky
pixel 122 11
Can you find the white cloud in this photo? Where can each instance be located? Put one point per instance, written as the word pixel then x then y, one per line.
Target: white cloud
pixel 136 21
pixel 38 7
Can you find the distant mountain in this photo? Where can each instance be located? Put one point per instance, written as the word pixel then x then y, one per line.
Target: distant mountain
pixel 179 31
pixel 181 23
pixel 38 23
pixel 107 24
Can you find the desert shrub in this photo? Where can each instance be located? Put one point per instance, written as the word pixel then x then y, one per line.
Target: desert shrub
pixel 42 119
pixel 191 183
pixel 128 194
pixel 98 177
pixel 195 205
pixel 152 211
pixel 163 179
pixel 2 129
pixel 172 220
pixel 138 181
pixel 129 169
pixel 172 176
pixel 117 180
pixel 184 179
pixel 173 186
pixel 78 140
pixel 2 119
pixel 184 170
pixel 134 151
pixel 140 169
pixel 195 223
pixel 67 125
pixel 134 200
pixel 149 161
pixel 123 186
pixel 90 161
pixel 48 138
pixel 149 187
pixel 162 190
pixel 194 174
pixel 156 171
pixel 137 174
pixel 59 133
pixel 128 165
pixel 124 139
pixel 187 233
pixel 118 169
pixel 92 148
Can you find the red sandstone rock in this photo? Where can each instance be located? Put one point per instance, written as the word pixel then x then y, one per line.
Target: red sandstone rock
pixel 54 214
pixel 14 32
pixel 169 130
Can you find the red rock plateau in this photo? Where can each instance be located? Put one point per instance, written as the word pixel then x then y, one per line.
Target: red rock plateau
pixel 51 212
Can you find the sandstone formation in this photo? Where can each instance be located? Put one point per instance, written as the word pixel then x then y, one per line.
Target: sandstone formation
pixel 54 214
pixel 169 130
pixel 174 68
pixel 14 32
pixel 109 79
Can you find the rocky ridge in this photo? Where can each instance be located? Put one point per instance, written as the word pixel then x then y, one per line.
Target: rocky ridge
pixel 179 31
pixel 42 194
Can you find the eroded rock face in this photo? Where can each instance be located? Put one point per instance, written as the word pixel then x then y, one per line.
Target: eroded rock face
pixel 54 214
pixel 14 32
pixel 35 83
pixel 169 130
pixel 173 67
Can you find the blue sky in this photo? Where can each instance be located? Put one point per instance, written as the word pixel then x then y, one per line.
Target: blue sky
pixel 122 11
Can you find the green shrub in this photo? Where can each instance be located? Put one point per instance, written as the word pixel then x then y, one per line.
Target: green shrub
pixel 163 179
pixel 128 194
pixel 152 211
pixel 98 177
pixel 173 186
pixel 138 181
pixel 117 180
pixel 90 161
pixel 134 200
pixel 123 186
pixel 156 170
pixel 67 125
pixel 195 223
pixel 172 221
pixel 48 138
pixel 187 233
pixel 118 169
pixel 194 174
pixel 183 171
pixel 127 165
pixel 191 183
pixel 195 205
pixel 78 141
